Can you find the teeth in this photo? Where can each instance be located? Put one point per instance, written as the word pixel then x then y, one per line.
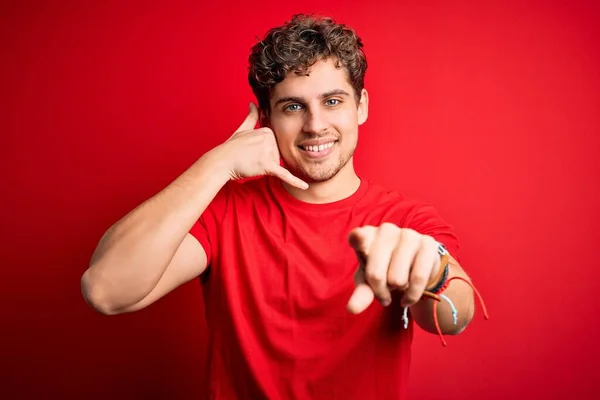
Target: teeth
pixel 316 149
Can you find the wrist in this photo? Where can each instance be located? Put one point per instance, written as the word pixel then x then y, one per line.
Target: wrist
pixel 440 275
pixel 217 164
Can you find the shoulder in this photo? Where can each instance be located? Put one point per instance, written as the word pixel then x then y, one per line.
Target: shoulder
pixel 396 206
pixel 243 192
pixel 247 189
pixel 393 206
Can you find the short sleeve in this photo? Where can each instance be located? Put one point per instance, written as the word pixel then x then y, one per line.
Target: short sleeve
pixel 206 228
pixel 425 219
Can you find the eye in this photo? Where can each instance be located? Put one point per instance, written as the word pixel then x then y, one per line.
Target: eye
pixel 293 107
pixel 332 102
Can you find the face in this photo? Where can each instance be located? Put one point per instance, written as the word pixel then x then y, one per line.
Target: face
pixel 315 119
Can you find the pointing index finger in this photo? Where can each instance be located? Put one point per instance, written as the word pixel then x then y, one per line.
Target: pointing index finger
pixel 361 239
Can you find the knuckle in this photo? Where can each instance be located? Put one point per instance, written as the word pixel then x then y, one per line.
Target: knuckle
pixel 373 277
pixel 411 238
pixel 388 227
pixel 429 241
pixel 397 282
pixel 418 280
pixel 264 164
pixel 411 298
pixel 382 293
pixel 368 229
pixel 384 299
pixel 263 134
pixel 268 134
pixel 409 233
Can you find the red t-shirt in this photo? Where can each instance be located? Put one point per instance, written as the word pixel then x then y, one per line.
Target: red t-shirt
pixel 280 275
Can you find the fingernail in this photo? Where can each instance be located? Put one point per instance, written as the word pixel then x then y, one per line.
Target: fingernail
pixel 386 303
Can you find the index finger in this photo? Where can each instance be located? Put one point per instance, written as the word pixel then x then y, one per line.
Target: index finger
pixel 361 239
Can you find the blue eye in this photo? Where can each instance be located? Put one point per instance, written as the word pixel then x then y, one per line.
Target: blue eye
pixel 293 107
pixel 332 102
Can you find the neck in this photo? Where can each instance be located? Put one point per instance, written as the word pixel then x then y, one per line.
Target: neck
pixel 341 186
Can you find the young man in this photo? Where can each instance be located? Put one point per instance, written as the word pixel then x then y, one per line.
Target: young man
pixel 293 259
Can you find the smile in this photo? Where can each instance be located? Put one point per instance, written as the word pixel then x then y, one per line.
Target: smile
pixel 317 151
pixel 319 148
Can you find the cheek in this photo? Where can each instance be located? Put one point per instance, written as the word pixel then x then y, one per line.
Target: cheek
pixel 350 141
pixel 285 141
pixel 349 129
pixel 346 119
pixel 286 133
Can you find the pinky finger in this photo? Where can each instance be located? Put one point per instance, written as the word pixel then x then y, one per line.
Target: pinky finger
pixel 287 176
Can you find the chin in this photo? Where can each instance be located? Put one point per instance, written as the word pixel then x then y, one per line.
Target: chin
pixel 317 174
pixel 317 171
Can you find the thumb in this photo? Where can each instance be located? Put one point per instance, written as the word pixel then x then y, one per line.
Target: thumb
pixel 362 296
pixel 250 121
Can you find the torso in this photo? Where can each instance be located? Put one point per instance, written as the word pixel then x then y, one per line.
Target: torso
pixel 280 276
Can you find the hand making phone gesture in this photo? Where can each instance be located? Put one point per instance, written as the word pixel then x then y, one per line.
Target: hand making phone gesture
pixel 254 152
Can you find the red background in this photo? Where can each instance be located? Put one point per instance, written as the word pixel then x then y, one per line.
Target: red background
pixel 489 111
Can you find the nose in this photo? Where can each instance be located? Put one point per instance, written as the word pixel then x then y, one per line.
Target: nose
pixel 315 122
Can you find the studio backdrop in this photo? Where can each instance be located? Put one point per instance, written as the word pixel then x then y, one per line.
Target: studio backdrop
pixel 488 110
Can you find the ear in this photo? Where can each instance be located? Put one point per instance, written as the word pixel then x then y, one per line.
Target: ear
pixel 363 107
pixel 264 120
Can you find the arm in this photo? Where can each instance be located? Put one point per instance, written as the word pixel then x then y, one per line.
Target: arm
pixel 462 297
pixel 404 258
pixel 149 252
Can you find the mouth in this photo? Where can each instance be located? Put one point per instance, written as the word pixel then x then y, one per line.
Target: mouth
pixel 316 151
pixel 321 148
pixel 316 148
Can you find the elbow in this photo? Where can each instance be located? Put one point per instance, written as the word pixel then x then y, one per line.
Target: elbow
pixel 94 294
pixel 461 324
pixel 445 321
pixel 456 330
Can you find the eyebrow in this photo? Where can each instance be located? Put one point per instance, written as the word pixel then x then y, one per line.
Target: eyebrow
pixel 339 92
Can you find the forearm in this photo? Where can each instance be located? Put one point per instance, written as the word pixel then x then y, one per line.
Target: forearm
pixel 462 297
pixel 133 254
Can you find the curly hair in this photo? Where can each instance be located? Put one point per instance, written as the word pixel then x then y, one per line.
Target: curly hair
pixel 296 46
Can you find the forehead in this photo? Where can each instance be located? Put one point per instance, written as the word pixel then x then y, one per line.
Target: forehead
pixel 322 77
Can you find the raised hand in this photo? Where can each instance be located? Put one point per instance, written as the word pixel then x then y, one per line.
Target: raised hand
pixel 254 152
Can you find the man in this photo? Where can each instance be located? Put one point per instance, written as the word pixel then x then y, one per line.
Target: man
pixel 293 257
